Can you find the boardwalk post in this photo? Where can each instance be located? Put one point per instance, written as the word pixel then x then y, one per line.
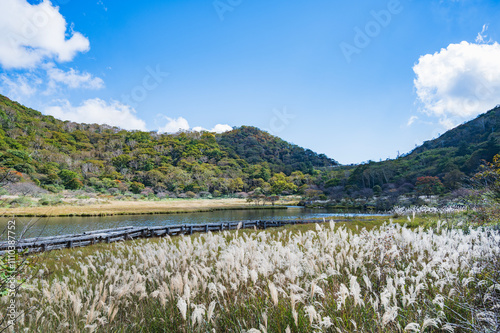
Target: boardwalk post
pixel 111 235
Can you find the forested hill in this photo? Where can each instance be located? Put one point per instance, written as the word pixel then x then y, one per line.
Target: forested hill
pixel 453 157
pixel 468 144
pixel 475 132
pixel 61 154
pixel 255 146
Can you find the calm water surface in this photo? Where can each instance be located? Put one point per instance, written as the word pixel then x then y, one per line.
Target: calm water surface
pixel 71 225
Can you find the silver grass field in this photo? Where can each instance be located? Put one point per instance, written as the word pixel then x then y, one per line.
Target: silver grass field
pixel 329 279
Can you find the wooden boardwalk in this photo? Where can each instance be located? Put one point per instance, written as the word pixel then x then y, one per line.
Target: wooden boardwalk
pixel 42 244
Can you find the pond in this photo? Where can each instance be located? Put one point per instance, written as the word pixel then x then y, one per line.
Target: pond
pixel 41 227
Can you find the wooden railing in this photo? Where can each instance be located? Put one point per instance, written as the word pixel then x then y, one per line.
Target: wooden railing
pixel 42 244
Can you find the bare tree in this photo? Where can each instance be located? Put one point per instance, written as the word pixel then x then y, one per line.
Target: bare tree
pixel 7 176
pixel 24 189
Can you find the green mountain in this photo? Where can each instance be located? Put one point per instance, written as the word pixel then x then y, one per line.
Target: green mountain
pixel 452 157
pixel 476 139
pixel 60 154
pixel 255 146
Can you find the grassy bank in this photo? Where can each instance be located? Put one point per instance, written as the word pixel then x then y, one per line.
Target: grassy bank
pixel 351 276
pixel 142 207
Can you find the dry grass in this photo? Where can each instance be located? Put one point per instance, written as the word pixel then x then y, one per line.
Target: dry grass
pixel 114 207
pixel 310 278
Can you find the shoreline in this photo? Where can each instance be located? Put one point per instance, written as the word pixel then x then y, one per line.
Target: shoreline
pixel 117 208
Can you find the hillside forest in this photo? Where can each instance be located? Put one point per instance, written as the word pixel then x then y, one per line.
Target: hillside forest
pixel 40 155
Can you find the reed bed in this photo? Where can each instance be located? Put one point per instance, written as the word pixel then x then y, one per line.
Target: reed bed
pixel 139 207
pixel 422 210
pixel 331 279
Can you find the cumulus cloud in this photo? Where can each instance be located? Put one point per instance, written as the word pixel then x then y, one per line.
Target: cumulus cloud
pixel 72 78
pixel 100 112
pixel 18 86
pixel 459 82
pixel 175 125
pixel 30 34
pixel 219 128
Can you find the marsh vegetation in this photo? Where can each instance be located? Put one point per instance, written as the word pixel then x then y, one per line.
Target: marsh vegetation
pixel 345 277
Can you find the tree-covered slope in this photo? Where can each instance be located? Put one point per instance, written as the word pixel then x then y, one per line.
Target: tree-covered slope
pixel 473 132
pixel 256 146
pixel 61 154
pixel 452 157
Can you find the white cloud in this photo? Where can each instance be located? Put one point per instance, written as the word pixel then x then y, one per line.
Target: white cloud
pixel 72 78
pixel 459 82
pixel 48 79
pixel 481 36
pixel 174 125
pixel 100 112
pixel 219 128
pixel 19 86
pixel 102 5
pixel 412 120
pixel 30 34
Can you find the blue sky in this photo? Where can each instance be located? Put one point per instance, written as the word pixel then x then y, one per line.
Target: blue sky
pixel 357 80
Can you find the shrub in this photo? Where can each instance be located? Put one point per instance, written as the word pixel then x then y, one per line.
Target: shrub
pixel 136 187
pixel 53 188
pixel 22 202
pixel 429 185
pixel 25 188
pixel 74 184
pixel 162 195
pixel 114 191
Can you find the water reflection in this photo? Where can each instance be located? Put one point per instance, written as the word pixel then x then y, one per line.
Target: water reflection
pixel 71 225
